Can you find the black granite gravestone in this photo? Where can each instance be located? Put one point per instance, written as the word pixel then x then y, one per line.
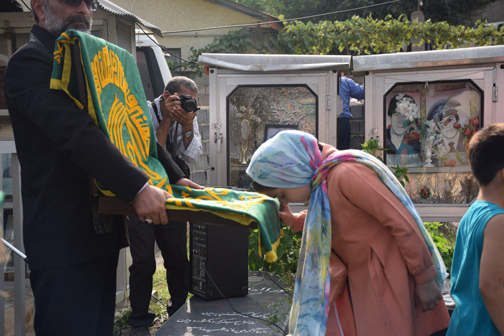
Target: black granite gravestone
pixel 216 318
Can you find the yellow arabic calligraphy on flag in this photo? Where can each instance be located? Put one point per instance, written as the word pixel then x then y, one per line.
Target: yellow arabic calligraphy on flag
pixel 117 104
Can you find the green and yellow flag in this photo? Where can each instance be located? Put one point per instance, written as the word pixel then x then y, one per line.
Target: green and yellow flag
pixel 117 104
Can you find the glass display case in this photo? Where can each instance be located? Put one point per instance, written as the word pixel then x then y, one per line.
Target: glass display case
pixel 257 113
pixel 427 129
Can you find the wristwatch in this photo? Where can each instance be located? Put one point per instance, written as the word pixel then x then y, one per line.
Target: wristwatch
pixel 188 134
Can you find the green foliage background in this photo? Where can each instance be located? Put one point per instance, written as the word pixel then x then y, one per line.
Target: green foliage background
pixel 355 36
pixel 444 243
pixel 453 11
pixel 287 252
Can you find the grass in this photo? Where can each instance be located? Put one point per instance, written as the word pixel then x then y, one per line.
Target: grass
pixel 159 285
pixel 121 324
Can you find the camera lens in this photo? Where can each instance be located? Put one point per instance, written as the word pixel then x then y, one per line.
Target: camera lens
pixel 190 105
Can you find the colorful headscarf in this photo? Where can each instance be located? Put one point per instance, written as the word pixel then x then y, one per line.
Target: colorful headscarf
pixel 293 159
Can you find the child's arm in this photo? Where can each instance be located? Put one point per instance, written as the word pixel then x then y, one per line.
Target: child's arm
pixel 491 279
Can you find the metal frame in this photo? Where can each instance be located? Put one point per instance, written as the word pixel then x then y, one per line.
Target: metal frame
pixel 8 147
pixel 424 60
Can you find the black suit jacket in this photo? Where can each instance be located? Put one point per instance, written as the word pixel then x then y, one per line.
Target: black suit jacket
pixel 59 147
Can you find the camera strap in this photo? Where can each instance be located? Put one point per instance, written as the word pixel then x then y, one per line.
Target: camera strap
pixel 173 134
pixel 156 112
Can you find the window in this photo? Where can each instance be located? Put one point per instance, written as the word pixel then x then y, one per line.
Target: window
pixel 150 73
pixel 174 55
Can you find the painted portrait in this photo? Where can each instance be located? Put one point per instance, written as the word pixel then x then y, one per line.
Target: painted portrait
pixel 454 115
pixel 403 120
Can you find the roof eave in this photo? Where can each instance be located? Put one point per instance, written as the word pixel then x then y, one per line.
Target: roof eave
pixel 115 9
pixel 264 17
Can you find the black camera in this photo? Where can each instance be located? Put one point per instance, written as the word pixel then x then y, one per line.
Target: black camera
pixel 188 103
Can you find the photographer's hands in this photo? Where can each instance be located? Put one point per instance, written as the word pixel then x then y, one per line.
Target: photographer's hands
pixel 175 111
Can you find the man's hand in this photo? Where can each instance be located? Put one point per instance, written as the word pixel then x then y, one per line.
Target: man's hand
pixel 150 203
pixel 171 104
pixel 184 118
pixel 286 215
pixel 175 111
pixel 188 183
pixel 428 295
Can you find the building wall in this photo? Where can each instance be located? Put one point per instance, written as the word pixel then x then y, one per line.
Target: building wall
pixel 187 14
pixel 357 126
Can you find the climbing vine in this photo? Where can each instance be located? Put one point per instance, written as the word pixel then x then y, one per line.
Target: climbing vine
pixel 356 36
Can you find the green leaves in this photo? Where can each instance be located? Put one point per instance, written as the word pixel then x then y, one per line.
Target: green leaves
pixel 364 36
pixel 446 246
pixel 401 173
pixel 372 147
pixel 355 36
pixel 452 11
pixel 287 252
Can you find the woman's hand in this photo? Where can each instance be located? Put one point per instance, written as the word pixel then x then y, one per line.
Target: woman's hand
pixel 286 215
pixel 428 295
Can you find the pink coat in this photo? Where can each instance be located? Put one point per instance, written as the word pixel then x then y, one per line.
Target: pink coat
pixel 378 256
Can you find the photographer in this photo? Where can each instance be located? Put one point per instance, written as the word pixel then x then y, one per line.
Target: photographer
pixel 177 131
pixel 176 128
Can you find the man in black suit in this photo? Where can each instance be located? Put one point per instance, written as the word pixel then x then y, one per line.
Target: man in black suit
pixel 73 255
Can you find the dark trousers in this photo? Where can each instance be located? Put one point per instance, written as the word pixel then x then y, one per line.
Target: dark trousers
pixel 172 240
pixel 77 299
pixel 344 133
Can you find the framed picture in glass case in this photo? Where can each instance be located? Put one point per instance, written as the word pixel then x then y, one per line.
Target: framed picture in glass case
pixel 427 128
pixel 256 113
pixel 270 130
pixel 402 120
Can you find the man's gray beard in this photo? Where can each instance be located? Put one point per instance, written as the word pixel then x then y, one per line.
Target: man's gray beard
pixel 57 26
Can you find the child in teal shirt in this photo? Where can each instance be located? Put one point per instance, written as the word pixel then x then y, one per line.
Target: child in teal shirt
pixel 478 263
